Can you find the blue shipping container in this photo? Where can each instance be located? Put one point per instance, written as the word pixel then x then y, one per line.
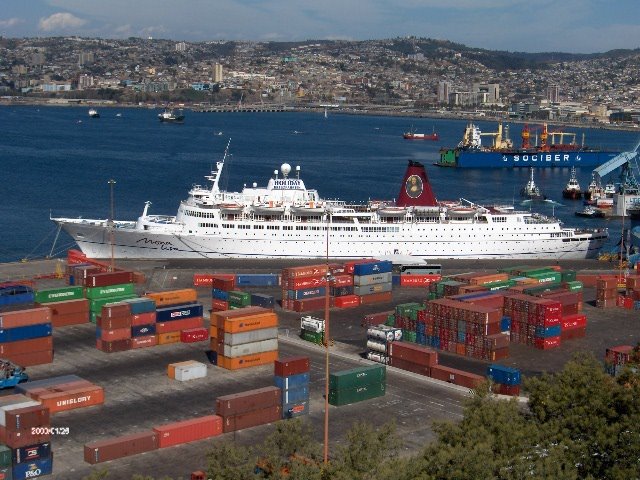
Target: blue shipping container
pixel 17 299
pixel 25 333
pixel 143 330
pixel 383 266
pixel 292 381
pixel 262 300
pixel 546 332
pixel 505 324
pixel 395 280
pixel 179 312
pixel 306 293
pixel 503 375
pixel 141 305
pixel 219 294
pixel 295 395
pixel 35 469
pixel 258 280
pixel 293 410
pixel 30 453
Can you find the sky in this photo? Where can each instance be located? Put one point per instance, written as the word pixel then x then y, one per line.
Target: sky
pixel 573 26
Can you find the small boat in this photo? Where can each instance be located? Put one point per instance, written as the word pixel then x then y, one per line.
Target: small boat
pixel 531 190
pixel 633 211
pixel 590 212
pixel 392 211
pixel 572 189
pixel 412 135
pixel 169 115
pixel 118 114
pixel 93 113
pixel 307 209
pixel 268 208
pixel 230 208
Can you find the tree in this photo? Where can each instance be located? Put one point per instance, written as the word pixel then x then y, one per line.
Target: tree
pixel 229 461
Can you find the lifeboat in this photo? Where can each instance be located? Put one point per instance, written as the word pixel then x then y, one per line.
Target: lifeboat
pixel 268 208
pixel 307 209
pixel 230 207
pixel 388 211
pixel 461 211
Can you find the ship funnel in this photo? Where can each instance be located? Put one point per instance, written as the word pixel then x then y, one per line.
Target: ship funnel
pixel 416 188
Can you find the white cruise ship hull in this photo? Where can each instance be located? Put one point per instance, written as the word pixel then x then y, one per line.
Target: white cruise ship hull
pixel 421 241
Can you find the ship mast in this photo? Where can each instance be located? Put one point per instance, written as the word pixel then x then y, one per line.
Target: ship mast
pixel 215 175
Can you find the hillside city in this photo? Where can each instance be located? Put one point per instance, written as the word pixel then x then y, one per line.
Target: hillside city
pixel 407 75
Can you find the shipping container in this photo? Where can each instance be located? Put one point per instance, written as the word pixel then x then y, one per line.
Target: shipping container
pixel 32 358
pixel 108 278
pixel 179 312
pixel 346 396
pixel 258 335
pixel 455 376
pixel 113 346
pixel 178 325
pixel 187 431
pixel 247 361
pixel 59 294
pixel 253 348
pixel 370 289
pixel 112 335
pixel 139 305
pixel 413 353
pixel 504 375
pixel 194 335
pixel 5 458
pixel 384 266
pixel 295 395
pixel 23 317
pixel 347 301
pixel 253 418
pixel 288 366
pixel 304 271
pixel 258 280
pixel 420 369
pixel 143 342
pixel 33 469
pixel 18 404
pixel 72 399
pixel 295 409
pixel 26 346
pixel 143 330
pixel 167 338
pixel 376 298
pixel 247 401
pixel 95 293
pixel 363 280
pixel 291 381
pixel 119 447
pixel 356 377
pixel 146 318
pixel 31 452
pixel 27 417
pixel 173 297
pixel 262 300
pixel 24 437
pixel 244 320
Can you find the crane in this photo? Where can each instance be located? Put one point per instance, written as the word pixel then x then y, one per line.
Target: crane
pixel 622 160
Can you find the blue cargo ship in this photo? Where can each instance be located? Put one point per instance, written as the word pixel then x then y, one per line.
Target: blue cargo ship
pixel 470 153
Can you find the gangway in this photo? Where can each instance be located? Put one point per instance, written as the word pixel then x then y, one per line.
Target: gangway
pixel 621 160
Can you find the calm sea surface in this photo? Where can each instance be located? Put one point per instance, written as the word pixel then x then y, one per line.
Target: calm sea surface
pixel 57 161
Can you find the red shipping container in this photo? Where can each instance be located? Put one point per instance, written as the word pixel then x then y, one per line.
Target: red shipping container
pixel 23 437
pixel 311 304
pixel 379 318
pixel 178 325
pixel 71 399
pixel 202 279
pixel 117 309
pixel 139 319
pixel 285 367
pixel 224 281
pixel 143 342
pixel 413 353
pixel 188 430
pixel 109 278
pixel 66 307
pixel 114 346
pixel 32 358
pixel 342 281
pixel 347 301
pixel 574 321
pixel 349 266
pixel 219 305
pixel 26 346
pixel 247 401
pixel 22 317
pixel 376 298
pixel 573 333
pixel 193 335
pixel 418 280
pixel 410 366
pixel 455 376
pixel 498 354
pixel 27 417
pixel 628 303
pixel 75 318
pixel 119 447
pixel 307 282
pixel 500 389
pixel 252 418
pixel 113 323
pixel 304 271
pixel 117 334
pixel 547 343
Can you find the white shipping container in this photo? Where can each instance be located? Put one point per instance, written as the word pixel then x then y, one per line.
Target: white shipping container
pixel 191 371
pixel 251 336
pixel 14 406
pixel 250 348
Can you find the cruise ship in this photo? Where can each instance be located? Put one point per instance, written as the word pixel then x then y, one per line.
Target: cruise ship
pixel 285 219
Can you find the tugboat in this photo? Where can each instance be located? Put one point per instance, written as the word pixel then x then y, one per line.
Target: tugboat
pixel 572 189
pixel 590 212
pixel 169 115
pixel 93 113
pixel 531 191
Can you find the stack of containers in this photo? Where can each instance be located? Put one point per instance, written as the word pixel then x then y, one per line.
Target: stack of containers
pixel 291 376
pixel 446 288
pixel 357 384
pixel 534 321
pixel 379 339
pixel 406 318
pixel 239 299
pixel 25 335
pixel 100 295
pixel 221 286
pixel 68 305
pixel 119 447
pixel 372 281
pixel 188 370
pixel 113 328
pixel 249 409
pixel 312 329
pixel 606 291
pixel 176 310
pixel 632 284
pixel 63 393
pixel 185 431
pixel 245 337
pixel 77 273
pixel 505 380
pixel 470 329
pixel 304 288
pixel 413 358
pixel 25 435
pixel 143 322
pixel 616 358
pixel 16 294
pixel 379 318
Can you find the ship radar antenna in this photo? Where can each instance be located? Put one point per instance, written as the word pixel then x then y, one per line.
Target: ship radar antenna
pixel 285 168
pixel 298 169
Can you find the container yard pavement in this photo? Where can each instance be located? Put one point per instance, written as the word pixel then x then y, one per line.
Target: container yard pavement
pixel 139 395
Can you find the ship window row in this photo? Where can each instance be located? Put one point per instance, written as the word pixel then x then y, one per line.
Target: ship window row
pixel 208 225
pixel 244 227
pixel 500 219
pixel 380 229
pixel 228 225
pixel 192 213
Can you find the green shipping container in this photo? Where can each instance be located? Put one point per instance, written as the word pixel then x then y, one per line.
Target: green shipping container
pixel 499 285
pixel 574 286
pixel 97 304
pixel 239 299
pixel 543 287
pixel 531 272
pixel 314 337
pixel 59 294
pixel 405 309
pixel 95 293
pixel 546 277
pixel 346 396
pixel 515 270
pixel 391 320
pixel 5 456
pixel 568 275
pixel 358 377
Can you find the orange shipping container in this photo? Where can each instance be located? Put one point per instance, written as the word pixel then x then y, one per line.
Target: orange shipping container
pixel 247 360
pixel 32 358
pixel 116 334
pixel 72 399
pixel 143 319
pixel 245 323
pixel 166 338
pixel 76 318
pixel 174 297
pixel 376 298
pixel 24 317
pixel 188 430
pixel 26 346
pixel 143 342
pixel 68 306
pixel 171 368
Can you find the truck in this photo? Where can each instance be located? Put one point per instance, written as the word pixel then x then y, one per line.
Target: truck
pixel 11 374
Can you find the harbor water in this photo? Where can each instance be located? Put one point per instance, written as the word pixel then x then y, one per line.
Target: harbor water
pixel 57 161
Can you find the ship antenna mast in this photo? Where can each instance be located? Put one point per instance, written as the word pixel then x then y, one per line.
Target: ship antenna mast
pixel 215 175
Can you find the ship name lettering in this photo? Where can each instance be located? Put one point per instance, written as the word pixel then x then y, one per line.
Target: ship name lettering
pixel 164 245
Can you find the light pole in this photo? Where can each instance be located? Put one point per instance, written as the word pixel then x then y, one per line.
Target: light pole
pixel 326 343
pixel 111 182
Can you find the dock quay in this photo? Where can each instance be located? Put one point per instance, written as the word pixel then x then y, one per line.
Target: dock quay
pixel 243 109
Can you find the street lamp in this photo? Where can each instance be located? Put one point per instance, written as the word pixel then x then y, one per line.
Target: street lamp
pixel 110 224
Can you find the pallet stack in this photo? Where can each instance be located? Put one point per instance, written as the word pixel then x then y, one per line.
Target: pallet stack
pixel 25 335
pixel 250 408
pixel 25 436
pixel 245 337
pixel 357 384
pixel 291 376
